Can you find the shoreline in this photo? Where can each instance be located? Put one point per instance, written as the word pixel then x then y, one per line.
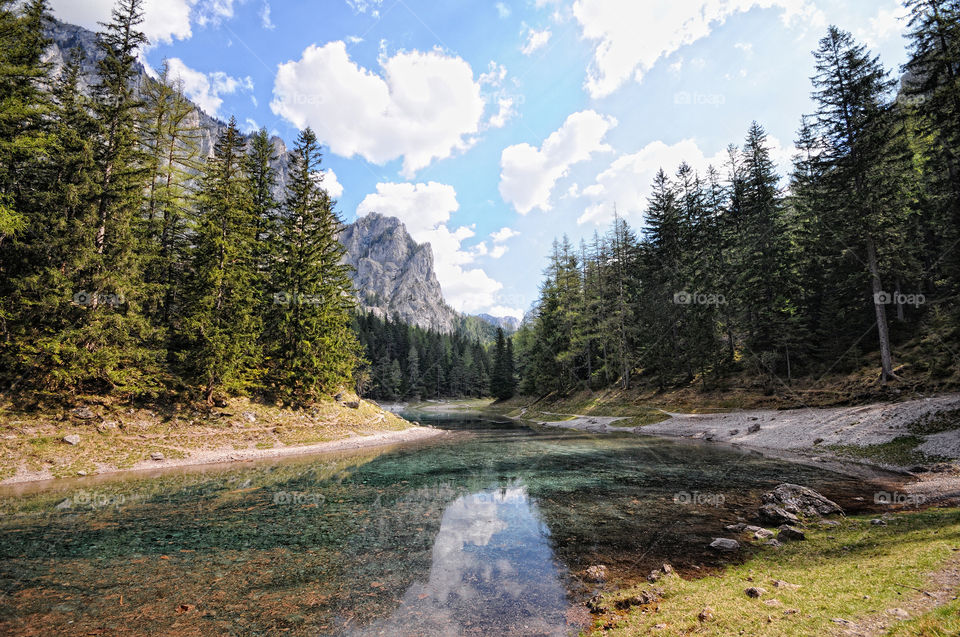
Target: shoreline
pixel 413 433
pixel 806 436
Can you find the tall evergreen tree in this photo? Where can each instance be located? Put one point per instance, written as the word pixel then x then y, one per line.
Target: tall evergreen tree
pixel 220 316
pixel 313 349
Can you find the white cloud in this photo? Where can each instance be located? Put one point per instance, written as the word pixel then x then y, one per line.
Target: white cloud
pixel 502 310
pixel 630 37
pixel 502 10
pixel 163 20
pixel 214 12
pixel 498 251
pixel 425 210
pixel 499 119
pixel 425 106
pixel 746 47
pixel 366 6
pixel 626 182
pixel 265 20
pixel 528 174
pixel 205 89
pixel 889 21
pixel 331 184
pixel 535 40
pixel 503 234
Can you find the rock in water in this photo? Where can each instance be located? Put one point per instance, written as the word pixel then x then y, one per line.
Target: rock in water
pixel 800 500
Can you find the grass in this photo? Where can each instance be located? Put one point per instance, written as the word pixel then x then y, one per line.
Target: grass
pixel 649 417
pixel 851 572
pixel 901 451
pixel 936 423
pixel 120 436
pixel 940 622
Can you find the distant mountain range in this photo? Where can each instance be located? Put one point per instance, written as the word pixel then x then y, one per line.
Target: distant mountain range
pixel 394 275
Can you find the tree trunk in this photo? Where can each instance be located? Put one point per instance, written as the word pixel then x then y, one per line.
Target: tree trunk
pixel 886 362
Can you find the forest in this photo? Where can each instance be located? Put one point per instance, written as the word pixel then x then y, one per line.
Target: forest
pixel 735 272
pixel 133 266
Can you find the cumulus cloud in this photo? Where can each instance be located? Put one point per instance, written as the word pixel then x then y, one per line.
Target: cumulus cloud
pixel 424 106
pixel 425 210
pixel 889 21
pixel 163 20
pixel 626 182
pixel 535 40
pixel 503 234
pixel 528 174
pixel 331 184
pixel 630 37
pixel 205 89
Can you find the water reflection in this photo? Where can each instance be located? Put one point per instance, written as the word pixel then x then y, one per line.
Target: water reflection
pixel 493 571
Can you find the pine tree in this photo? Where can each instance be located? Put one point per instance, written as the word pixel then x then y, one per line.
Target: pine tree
pixel 220 316
pixel 851 86
pixel 501 378
pixel 313 348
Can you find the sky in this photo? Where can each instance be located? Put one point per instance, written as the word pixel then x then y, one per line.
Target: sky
pixel 490 128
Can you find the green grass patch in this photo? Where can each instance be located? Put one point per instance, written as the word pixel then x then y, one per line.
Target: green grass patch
pixel 940 622
pixel 849 572
pixel 936 423
pixel 901 451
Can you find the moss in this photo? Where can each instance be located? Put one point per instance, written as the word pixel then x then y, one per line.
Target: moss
pixel 900 451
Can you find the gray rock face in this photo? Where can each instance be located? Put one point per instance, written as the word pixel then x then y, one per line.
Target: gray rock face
pixel 394 274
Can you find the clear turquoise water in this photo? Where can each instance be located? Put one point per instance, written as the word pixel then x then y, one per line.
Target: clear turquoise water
pixel 487 531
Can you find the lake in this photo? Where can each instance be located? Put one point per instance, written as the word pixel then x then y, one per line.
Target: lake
pixel 487 530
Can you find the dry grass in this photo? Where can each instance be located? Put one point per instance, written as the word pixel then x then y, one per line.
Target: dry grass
pixel 120 436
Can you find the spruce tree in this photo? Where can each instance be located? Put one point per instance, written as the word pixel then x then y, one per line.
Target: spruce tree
pixel 313 349
pixel 220 314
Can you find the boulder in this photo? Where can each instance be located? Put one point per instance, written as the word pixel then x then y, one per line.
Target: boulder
pixel 352 404
pixel 754 428
pixel 773 514
pixel 763 534
pixel 72 439
pixel 800 500
pixel 755 592
pixel 597 573
pixel 791 533
pixel 725 545
pixel 156 455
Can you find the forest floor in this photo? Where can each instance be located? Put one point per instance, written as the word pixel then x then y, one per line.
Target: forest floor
pixel 99 437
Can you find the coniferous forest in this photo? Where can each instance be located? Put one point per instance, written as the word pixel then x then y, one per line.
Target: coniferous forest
pixel 131 265
pixel 740 271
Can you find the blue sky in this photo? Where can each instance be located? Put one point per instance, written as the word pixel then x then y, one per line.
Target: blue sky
pixel 490 128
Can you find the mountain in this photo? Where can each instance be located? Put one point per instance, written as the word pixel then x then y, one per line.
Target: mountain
pixel 509 324
pixel 394 276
